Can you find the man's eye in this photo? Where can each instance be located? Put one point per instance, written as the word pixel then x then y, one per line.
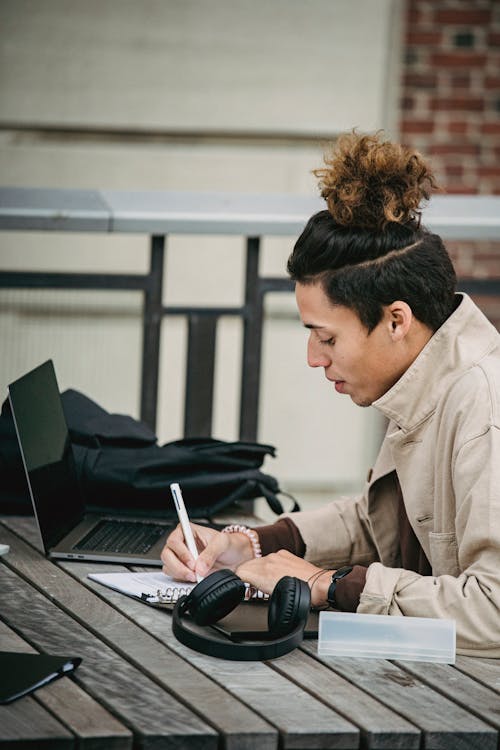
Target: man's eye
pixel 327 341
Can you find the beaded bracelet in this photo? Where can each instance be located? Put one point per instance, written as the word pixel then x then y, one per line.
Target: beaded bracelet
pixel 250 533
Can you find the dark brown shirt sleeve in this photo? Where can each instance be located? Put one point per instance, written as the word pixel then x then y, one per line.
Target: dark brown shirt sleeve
pixel 349 588
pixel 283 534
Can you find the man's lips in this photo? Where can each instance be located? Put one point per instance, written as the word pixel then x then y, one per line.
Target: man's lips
pixel 338 384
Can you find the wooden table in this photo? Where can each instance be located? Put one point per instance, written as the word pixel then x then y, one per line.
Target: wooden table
pixel 137 687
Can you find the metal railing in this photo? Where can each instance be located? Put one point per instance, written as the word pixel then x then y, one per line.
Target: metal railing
pixel 159 214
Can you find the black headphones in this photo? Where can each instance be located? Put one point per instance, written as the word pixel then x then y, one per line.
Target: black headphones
pixel 218 594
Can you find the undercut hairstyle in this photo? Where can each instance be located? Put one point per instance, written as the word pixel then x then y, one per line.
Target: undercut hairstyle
pixel 368 248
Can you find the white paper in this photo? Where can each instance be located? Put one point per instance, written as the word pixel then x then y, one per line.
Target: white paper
pixel 156 587
pixel 152 587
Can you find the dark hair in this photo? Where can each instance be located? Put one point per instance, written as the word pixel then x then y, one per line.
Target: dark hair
pixel 369 249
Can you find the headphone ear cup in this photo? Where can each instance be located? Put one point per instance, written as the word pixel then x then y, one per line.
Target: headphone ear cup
pixel 215 596
pixel 289 606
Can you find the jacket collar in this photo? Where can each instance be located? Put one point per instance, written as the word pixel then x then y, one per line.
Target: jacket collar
pixel 461 342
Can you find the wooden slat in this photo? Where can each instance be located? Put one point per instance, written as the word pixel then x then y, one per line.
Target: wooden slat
pixel 303 721
pixel 236 723
pixel 380 727
pixel 94 727
pixel 152 714
pixel 443 723
pixel 486 671
pixel 25 527
pixel 462 689
pixel 26 724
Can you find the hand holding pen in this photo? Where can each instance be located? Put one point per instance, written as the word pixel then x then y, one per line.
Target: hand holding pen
pixel 184 522
pixel 214 550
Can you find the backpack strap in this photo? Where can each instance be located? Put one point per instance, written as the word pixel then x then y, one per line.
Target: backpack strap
pixel 273 501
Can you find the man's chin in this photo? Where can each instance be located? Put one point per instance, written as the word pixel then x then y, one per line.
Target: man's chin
pixel 360 401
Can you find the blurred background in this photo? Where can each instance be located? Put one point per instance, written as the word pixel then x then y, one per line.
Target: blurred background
pixel 239 96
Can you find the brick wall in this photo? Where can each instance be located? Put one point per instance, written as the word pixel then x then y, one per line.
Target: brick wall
pixel 450 109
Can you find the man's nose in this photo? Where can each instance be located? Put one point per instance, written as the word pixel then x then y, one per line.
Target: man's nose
pixel 316 355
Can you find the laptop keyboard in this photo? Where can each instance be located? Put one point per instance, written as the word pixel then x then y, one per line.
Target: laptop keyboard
pixel 130 537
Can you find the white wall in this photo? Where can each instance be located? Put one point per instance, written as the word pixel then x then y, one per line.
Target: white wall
pixel 186 95
pixel 281 66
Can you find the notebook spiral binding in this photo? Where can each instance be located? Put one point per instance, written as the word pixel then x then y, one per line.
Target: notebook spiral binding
pixel 171 595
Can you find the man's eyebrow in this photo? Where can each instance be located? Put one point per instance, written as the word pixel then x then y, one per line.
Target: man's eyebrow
pixel 313 326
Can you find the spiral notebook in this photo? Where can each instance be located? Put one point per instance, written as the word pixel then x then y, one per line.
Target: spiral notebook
pixel 156 588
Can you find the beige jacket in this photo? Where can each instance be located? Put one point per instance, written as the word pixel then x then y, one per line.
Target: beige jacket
pixel 443 440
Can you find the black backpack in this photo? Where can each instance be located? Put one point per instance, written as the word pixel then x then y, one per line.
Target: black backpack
pixel 120 465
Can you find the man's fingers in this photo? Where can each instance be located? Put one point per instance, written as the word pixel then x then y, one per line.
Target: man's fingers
pixel 207 558
pixel 176 543
pixel 178 561
pixel 173 566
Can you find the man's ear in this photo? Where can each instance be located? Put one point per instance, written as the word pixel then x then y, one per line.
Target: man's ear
pixel 399 319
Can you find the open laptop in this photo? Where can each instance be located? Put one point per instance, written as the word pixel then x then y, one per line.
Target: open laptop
pixel 67 531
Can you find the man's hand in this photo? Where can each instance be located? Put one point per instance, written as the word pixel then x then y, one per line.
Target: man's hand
pixel 216 550
pixel 265 572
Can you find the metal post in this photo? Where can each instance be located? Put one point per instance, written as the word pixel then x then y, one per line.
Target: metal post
pixel 152 317
pixel 200 370
pixel 252 343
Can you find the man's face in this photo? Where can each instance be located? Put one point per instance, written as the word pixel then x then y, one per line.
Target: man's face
pixel 361 365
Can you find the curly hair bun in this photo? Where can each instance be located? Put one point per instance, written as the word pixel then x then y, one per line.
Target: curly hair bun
pixel 368 182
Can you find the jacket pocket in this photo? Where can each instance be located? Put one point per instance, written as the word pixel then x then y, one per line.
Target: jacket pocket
pixel 444 553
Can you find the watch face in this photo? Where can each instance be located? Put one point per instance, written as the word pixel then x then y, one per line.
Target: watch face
pixel 341 572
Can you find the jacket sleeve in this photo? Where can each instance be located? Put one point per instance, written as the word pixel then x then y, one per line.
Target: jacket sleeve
pixel 337 534
pixel 472 596
pixel 340 533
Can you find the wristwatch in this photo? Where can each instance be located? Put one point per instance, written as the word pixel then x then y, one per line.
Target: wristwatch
pixel 336 577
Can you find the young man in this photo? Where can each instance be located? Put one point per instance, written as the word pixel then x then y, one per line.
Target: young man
pixel 377 293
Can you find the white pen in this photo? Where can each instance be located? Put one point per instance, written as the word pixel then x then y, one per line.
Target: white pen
pixel 184 522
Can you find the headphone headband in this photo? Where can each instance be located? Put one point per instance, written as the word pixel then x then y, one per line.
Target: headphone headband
pixel 211 644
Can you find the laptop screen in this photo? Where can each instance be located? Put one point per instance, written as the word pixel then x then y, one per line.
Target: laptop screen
pixel 47 454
